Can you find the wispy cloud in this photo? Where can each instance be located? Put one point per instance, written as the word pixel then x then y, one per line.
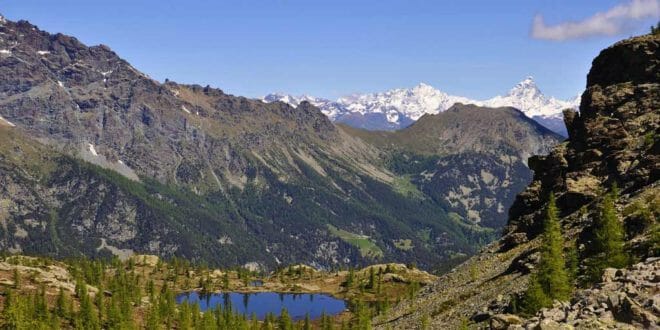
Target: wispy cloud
pixel 614 21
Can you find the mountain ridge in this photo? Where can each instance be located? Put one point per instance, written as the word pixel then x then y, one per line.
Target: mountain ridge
pixel 472 159
pixel 398 108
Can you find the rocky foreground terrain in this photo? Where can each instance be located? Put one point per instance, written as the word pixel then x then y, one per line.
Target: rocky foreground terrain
pixel 612 140
pixel 626 299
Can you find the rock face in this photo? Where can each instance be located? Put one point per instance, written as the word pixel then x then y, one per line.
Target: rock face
pixel 613 139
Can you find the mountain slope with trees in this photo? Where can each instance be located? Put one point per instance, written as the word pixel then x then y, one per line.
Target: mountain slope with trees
pixel 604 180
pixel 122 164
pixel 470 159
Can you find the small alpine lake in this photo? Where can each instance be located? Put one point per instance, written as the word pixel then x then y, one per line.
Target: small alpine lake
pixel 261 303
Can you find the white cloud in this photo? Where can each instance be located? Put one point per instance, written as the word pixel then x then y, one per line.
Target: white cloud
pixel 614 21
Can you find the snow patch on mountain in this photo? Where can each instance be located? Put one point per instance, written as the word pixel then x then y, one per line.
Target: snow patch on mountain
pixel 330 108
pixel 92 149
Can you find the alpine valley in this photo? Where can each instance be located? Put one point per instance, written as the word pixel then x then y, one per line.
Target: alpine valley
pixel 98 159
pixel 131 203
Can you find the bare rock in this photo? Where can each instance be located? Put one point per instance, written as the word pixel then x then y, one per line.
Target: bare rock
pixel 504 321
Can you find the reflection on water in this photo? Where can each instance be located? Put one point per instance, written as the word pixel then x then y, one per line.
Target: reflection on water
pixel 297 304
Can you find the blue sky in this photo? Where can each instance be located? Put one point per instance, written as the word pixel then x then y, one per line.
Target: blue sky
pixel 332 48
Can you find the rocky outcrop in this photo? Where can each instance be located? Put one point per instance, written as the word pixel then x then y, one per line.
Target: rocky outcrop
pixel 613 139
pixel 627 298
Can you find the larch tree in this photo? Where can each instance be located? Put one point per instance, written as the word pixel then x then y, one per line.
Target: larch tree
pixel 608 245
pixel 552 280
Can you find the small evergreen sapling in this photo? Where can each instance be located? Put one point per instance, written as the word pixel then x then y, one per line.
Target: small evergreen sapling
pixel 551 281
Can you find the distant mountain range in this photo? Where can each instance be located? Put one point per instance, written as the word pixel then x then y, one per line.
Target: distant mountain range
pixel 398 108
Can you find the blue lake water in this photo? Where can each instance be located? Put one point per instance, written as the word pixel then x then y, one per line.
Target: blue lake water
pixel 262 303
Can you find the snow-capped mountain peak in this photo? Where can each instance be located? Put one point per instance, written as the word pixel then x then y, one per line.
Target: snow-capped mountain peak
pixel 527 97
pixel 410 103
pixel 526 89
pixel 328 107
pixel 424 88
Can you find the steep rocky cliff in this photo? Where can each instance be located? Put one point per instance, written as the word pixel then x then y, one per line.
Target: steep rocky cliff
pixel 613 139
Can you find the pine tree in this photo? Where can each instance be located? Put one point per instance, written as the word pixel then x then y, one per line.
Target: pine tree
pixel 363 316
pixel 61 305
pixel 285 320
pixel 535 297
pixel 308 324
pixel 40 304
pixel 552 280
pixel 195 313
pixel 608 246
pixel 225 281
pixel 14 313
pixel 208 321
pixel 87 314
pixel 16 277
pixel 153 318
pixel 151 289
pixel 100 304
pixel 184 321
pixel 372 279
pixel 351 278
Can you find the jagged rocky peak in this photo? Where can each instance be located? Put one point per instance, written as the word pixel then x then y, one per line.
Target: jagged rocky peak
pixel 73 78
pixel 613 139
